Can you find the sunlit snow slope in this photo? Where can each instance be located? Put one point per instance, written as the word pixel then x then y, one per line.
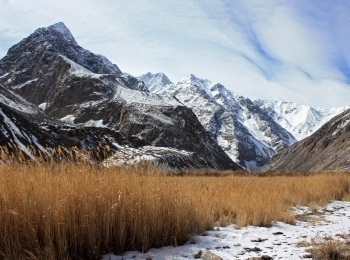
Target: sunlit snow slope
pixel 249 132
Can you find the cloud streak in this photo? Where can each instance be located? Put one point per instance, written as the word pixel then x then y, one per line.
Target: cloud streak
pixel 296 50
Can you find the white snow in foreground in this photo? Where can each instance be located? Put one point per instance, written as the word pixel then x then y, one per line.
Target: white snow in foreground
pixel 278 241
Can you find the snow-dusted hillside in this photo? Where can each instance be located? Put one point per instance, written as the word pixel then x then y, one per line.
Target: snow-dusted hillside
pixel 300 120
pixel 49 70
pixel 155 81
pixel 245 132
pixel 249 132
pixel 328 149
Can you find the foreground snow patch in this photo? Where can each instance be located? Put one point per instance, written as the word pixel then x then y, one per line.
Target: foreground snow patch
pixel 280 241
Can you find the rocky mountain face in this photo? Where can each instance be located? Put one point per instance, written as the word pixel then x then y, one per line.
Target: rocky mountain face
pixel 76 89
pixel 250 132
pixel 27 129
pixel 24 127
pixel 154 81
pixel 328 149
pixel 55 93
pixel 246 133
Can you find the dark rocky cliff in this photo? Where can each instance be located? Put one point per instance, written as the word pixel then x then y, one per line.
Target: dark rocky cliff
pixel 50 70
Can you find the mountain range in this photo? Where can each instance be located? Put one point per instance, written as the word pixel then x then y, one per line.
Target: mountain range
pixel 328 149
pixel 76 88
pixel 250 132
pixel 54 93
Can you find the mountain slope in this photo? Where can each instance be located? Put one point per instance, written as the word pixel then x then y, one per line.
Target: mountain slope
pixel 50 70
pixel 328 149
pixel 155 81
pixel 300 120
pixel 244 131
pixel 249 132
pixel 25 129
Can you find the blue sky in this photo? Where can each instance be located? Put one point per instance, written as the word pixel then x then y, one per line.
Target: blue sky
pixel 294 50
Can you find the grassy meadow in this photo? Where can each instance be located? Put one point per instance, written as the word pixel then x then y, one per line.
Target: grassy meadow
pixel 79 210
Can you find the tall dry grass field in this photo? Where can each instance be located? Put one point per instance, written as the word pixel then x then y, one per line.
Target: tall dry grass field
pixel 61 211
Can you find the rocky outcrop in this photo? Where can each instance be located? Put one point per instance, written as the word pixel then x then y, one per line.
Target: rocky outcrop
pixel 135 83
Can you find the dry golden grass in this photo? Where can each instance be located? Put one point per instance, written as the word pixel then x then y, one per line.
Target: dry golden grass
pixel 78 210
pixel 330 249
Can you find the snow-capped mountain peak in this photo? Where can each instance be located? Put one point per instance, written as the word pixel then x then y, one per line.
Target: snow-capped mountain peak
pixel 59 28
pixel 72 84
pixel 75 88
pixel 155 81
pixel 327 149
pixel 249 132
pixel 57 38
pixel 245 132
pixel 192 79
pixel 300 120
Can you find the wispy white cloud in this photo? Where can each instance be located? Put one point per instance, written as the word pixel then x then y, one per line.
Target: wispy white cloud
pixel 296 50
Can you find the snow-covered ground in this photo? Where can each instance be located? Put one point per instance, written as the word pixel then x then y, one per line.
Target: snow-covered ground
pixel 280 241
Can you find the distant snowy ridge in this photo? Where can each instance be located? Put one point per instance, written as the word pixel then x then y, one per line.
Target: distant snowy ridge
pixel 155 81
pixel 299 120
pixel 244 131
pixel 328 149
pixel 81 95
pixel 249 132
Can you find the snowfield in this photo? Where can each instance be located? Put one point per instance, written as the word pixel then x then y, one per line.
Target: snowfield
pixel 280 241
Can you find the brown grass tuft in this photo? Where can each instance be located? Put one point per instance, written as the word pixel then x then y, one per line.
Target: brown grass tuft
pixel 330 249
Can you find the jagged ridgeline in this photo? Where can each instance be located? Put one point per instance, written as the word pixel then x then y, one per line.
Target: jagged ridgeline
pixel 250 132
pixel 328 149
pixel 55 93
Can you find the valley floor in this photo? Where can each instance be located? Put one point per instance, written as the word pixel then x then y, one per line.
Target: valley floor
pixel 280 241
